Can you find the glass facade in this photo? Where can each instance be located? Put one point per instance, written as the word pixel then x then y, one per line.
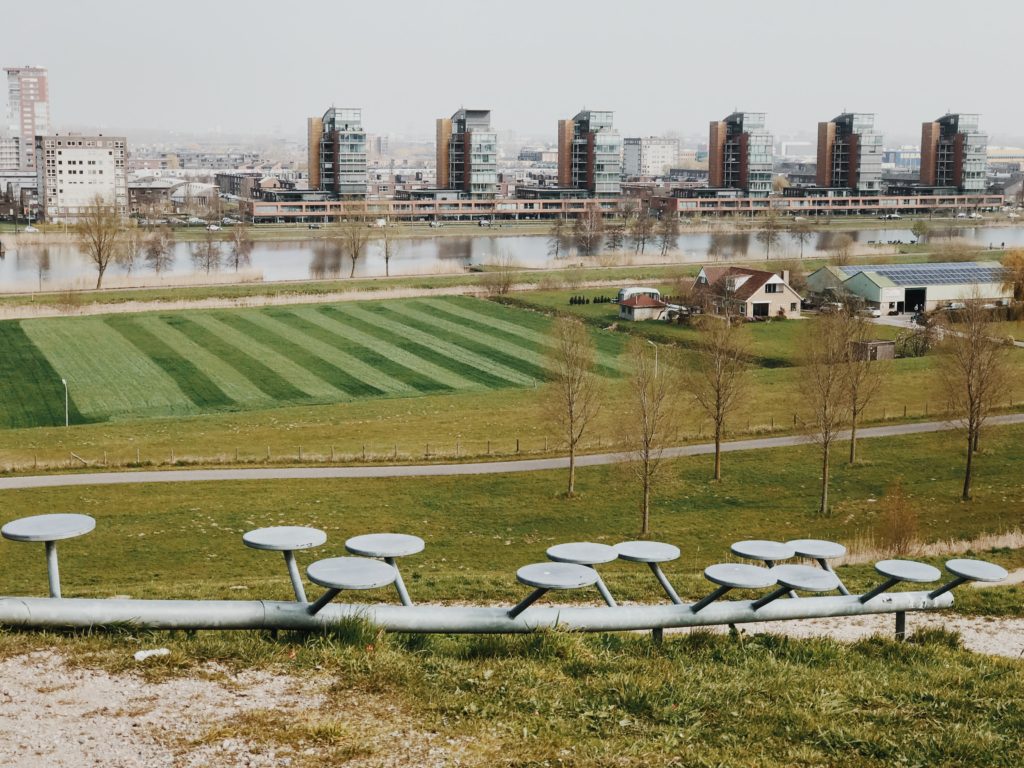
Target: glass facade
pixel 473 154
pixel 596 163
pixel 748 154
pixel 343 167
pixel 962 154
pixel 857 154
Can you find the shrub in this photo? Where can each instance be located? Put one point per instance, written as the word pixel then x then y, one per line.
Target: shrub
pixel 898 526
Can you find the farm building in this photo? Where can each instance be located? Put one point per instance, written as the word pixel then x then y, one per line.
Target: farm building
pixel 752 293
pixel 909 287
pixel 641 307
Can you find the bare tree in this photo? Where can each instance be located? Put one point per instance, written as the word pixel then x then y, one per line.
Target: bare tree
pixel 650 419
pixel 615 236
pixel 241 247
pixel 769 232
pixel 842 249
pixel 1013 274
pixel 353 236
pixel 802 233
pixel 642 229
pixel 863 376
pixel 499 275
pixel 158 250
pixel 206 254
pixel 720 377
pixel 556 237
pixel 388 246
pixel 587 229
pixel 668 232
pixel 824 387
pixel 98 233
pixel 129 249
pixel 975 371
pixel 574 392
pixel 920 229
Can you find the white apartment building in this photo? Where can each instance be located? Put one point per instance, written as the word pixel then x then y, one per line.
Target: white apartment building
pixel 10 153
pixel 28 109
pixel 73 170
pixel 649 156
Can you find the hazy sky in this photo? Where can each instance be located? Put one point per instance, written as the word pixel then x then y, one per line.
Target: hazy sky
pixel 263 66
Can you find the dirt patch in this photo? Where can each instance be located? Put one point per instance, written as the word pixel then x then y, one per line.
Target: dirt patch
pixel 58 716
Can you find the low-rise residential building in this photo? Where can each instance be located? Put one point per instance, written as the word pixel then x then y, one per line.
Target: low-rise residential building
pixel 642 307
pixel 745 292
pixel 74 171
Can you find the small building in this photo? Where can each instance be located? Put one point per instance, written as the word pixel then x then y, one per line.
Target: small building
pixel 642 307
pixel 874 349
pixel 751 293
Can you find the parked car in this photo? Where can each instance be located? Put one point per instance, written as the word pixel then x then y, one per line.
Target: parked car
pixel 313 225
pixel 213 228
pixel 435 224
pixel 30 228
pixel 871 312
pixel 830 307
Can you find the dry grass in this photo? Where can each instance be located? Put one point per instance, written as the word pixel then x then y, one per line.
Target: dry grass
pixel 869 549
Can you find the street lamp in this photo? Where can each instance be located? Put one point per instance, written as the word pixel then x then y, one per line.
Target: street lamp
pixel 65 383
pixel 655 357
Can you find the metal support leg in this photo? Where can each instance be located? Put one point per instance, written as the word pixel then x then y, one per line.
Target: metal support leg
pixel 842 587
pixel 324 599
pixel 757 604
pixel 293 574
pixel 878 590
pixel 706 601
pixel 901 625
pixel 52 571
pixel 792 592
pixel 403 593
pixel 526 602
pixel 947 587
pixel 604 591
pixel 658 635
pixel 665 585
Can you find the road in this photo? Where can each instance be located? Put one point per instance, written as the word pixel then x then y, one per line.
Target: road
pixel 447 470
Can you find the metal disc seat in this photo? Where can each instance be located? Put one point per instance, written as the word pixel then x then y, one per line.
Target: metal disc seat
pixel 896 571
pixel 388 546
pixel 544 577
pixel 965 570
pixel 287 539
pixel 820 551
pixel 653 553
pixel 49 529
pixel 729 576
pixel 589 554
pixel 769 552
pixel 340 573
pixel 802 578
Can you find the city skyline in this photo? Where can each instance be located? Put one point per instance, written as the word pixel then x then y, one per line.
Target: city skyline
pixel 238 73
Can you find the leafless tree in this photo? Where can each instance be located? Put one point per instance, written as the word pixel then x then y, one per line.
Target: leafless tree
pixel 720 377
pixel 975 371
pixel 556 237
pixel 499 274
pixel 842 249
pixel 650 419
pixel 573 399
pixel 206 254
pixel 129 249
pixel 825 390
pixel 241 247
pixel 388 246
pixel 1013 275
pixel 158 249
pixel 642 229
pixel 769 232
pixel 99 232
pixel 615 236
pixel 801 232
pixel 864 377
pixel 668 231
pixel 587 229
pixel 353 235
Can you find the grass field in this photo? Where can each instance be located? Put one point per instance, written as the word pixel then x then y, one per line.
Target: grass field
pixel 179 363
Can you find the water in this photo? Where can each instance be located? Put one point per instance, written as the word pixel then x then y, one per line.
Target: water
pixel 29 267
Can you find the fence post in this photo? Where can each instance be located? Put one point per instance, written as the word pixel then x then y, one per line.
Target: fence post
pixel 332 453
pixel 772 423
pixel 517 445
pixel 545 443
pixel 172 455
pixel 138 456
pixel 268 453
pixel 236 454
pixel 300 453
pixel 488 447
pixel 904 410
pixel 396 451
pixel 457 449
pixel 925 407
pixel 104 458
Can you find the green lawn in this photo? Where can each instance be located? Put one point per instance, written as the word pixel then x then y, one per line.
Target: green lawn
pixel 132 366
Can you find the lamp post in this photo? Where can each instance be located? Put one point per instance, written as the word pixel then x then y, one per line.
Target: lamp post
pixel 65 383
pixel 655 357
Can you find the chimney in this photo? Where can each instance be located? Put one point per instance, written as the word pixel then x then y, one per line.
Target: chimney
pixel 785 276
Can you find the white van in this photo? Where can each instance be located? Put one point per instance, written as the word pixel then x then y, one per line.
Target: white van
pixel 635 290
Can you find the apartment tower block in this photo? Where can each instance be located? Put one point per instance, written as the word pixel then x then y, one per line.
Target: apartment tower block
pixel 28 105
pixel 336 144
pixel 850 154
pixel 954 153
pixel 467 153
pixel 740 154
pixel 590 154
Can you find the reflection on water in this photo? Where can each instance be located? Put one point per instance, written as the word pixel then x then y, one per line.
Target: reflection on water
pixel 29 267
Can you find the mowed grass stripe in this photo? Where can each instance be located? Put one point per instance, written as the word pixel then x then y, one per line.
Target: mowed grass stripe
pixel 486 345
pixel 531 326
pixel 366 355
pixel 360 380
pixel 31 394
pixel 121 382
pixel 532 351
pixel 262 376
pixel 194 384
pixel 391 351
pixel 429 348
pixel 334 378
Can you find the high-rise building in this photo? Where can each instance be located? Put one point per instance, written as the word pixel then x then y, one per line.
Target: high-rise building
pixel 74 171
pixel 740 154
pixel 590 154
pixel 850 153
pixel 336 144
pixel 467 153
pixel 649 156
pixel 10 153
pixel 28 109
pixel 953 153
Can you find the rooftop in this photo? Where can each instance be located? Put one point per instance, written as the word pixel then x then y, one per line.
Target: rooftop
pixel 939 273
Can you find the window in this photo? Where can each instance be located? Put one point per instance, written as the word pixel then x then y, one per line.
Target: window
pixel 773 288
pixel 792 306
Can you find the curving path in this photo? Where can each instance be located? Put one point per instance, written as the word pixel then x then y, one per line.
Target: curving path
pixel 436 470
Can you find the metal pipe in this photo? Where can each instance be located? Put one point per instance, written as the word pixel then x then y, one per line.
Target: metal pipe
pixel 842 587
pixel 293 574
pixel 948 586
pixel 52 569
pixel 761 602
pixel 264 614
pixel 403 593
pixel 526 602
pixel 704 602
pixel 608 599
pixel 878 590
pixel 663 579
pixel 322 601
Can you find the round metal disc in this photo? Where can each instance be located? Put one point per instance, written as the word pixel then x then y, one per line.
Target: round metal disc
pixel 647 551
pixel 582 553
pixel 284 538
pixel 740 575
pixel 908 570
pixel 48 527
pixel 818 549
pixel 557 575
pixel 351 573
pixel 976 570
pixel 384 545
pixel 806 578
pixel 758 549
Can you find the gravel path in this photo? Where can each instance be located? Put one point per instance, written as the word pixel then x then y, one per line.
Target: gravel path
pixel 434 470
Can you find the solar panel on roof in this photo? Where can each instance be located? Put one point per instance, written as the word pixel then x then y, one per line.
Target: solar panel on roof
pixel 940 273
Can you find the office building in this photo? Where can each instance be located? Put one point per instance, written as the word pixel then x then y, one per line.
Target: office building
pixel 467 154
pixel 740 154
pixel 649 156
pixel 28 109
pixel 590 154
pixel 953 153
pixel 336 144
pixel 73 171
pixel 850 154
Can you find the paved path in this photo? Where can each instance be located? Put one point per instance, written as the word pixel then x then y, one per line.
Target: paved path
pixel 437 470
